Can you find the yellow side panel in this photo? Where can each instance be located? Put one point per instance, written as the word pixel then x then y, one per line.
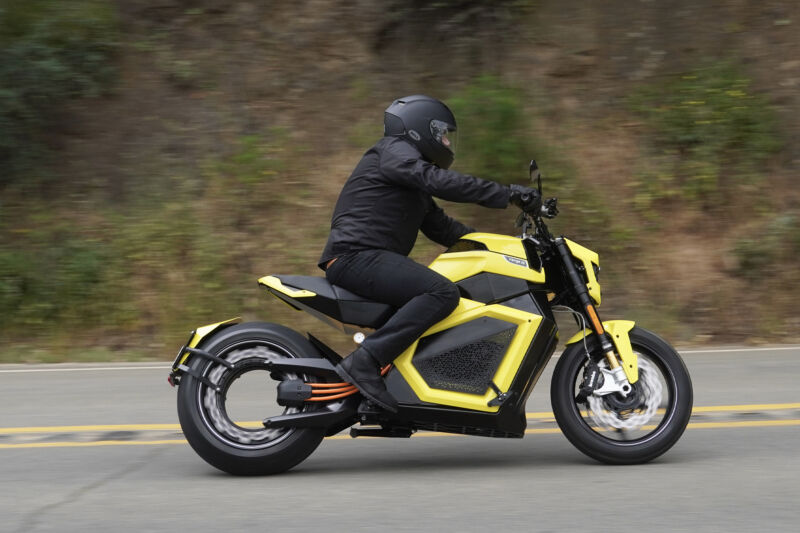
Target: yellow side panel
pixel 461 265
pixel 527 324
pixel 203 331
pixel 502 244
pixel 619 331
pixel 274 283
pixel 587 257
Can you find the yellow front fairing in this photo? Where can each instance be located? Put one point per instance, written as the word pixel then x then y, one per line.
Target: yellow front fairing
pixel 461 265
pixel 589 259
pixel 467 310
pixel 504 256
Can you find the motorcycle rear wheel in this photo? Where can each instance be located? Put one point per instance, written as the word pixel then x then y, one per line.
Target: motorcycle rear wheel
pixel 209 420
pixel 661 408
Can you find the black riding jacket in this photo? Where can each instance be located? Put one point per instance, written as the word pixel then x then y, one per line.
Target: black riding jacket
pixel 388 199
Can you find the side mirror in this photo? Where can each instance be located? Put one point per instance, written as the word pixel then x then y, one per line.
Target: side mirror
pixel 535 174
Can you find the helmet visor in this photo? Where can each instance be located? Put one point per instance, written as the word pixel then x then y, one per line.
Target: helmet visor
pixel 445 134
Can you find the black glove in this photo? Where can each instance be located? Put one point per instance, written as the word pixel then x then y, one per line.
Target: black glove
pixel 527 199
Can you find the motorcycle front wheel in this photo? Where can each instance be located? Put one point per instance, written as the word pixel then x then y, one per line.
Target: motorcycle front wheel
pixel 630 429
pixel 224 426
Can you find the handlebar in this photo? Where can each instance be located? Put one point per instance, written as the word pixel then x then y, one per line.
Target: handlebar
pixel 527 220
pixel 548 210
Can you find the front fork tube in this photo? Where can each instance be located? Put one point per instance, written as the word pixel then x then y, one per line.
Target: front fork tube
pixel 591 314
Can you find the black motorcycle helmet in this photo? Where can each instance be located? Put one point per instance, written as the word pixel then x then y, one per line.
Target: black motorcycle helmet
pixel 427 123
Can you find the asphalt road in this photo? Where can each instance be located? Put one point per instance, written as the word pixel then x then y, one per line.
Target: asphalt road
pixel 97 448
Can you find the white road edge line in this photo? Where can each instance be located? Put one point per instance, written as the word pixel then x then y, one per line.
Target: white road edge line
pixel 88 369
pixel 734 350
pixel 167 368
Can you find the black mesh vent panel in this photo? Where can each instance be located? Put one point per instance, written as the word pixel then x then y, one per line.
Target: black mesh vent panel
pixel 466 368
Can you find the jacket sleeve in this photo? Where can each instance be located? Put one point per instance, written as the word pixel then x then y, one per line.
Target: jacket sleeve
pixel 405 170
pixel 442 229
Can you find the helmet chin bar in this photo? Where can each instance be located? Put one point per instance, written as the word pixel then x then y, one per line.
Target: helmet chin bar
pixel 445 134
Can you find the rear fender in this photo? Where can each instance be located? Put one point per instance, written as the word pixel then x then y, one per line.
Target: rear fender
pixel 619 331
pixel 195 339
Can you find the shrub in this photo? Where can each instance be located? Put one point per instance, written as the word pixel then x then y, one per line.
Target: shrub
pixel 492 138
pixel 496 142
pixel 708 129
pixel 52 52
pixel 42 284
pixel 775 242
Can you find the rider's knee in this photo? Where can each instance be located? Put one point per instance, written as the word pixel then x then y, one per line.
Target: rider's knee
pixel 450 296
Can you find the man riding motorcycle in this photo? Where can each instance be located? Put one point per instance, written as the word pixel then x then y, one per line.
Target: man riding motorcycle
pixel 385 202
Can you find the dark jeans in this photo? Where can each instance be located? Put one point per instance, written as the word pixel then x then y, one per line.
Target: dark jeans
pixel 422 296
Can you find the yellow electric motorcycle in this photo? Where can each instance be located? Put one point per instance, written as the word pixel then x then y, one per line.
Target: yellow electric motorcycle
pixel 619 393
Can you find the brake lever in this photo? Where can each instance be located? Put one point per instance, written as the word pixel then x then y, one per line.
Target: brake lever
pixel 550 208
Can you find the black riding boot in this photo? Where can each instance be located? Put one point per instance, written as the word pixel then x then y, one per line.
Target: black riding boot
pixel 360 369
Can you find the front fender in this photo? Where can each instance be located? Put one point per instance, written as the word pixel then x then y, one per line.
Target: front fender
pixel 619 331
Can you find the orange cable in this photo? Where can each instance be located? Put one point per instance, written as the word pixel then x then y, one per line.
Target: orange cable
pixel 334 397
pixel 333 391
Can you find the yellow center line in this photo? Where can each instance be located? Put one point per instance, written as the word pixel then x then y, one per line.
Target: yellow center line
pixel 77 429
pixel 747 408
pixel 743 424
pixel 68 444
pixel 692 425
pixel 699 425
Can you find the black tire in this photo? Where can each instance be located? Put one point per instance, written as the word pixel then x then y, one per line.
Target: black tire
pixel 607 445
pixel 202 412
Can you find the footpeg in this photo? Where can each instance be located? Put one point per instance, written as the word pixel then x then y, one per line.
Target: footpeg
pixel 368 409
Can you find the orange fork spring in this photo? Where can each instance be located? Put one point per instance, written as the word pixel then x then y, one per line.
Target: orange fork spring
pixel 335 391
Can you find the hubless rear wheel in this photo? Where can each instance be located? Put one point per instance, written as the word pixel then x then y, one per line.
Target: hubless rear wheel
pixel 224 427
pixel 625 430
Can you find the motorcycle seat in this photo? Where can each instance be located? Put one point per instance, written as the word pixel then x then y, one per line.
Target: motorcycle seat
pixel 335 302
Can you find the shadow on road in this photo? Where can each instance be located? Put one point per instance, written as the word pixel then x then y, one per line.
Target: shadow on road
pixel 454 454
